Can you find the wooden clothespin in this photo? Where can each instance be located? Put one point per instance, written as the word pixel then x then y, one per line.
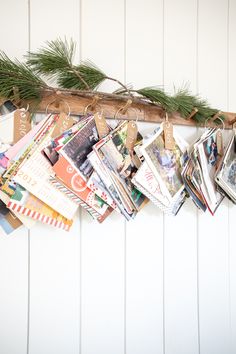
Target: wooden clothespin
pixel 192 114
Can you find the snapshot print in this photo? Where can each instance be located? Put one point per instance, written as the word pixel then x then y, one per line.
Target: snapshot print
pixel 8 221
pixel 118 159
pixel 80 146
pixel 229 172
pixel 166 163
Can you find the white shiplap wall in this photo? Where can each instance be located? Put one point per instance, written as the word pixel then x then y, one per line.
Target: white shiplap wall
pixel 157 285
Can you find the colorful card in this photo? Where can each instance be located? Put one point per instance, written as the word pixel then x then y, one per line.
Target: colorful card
pixel 28 205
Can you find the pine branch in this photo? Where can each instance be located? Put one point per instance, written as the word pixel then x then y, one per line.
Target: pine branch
pixel 18 75
pixel 87 71
pixel 159 97
pixel 56 60
pixel 57 55
pixel 186 102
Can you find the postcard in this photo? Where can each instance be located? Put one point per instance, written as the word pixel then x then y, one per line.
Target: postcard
pixel 8 221
pixel 164 163
pixel 56 144
pixel 114 165
pixel 78 148
pixel 97 186
pixel 121 167
pixel 207 155
pixel 146 178
pixel 226 174
pixel 30 206
pixel 73 180
pixel 34 175
pixel 26 221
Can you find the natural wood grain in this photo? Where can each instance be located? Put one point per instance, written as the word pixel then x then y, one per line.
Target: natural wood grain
pixel 140 111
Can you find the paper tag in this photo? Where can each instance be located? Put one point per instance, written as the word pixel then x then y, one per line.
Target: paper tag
pixel 219 142
pixel 22 124
pixel 132 133
pixel 64 123
pixel 101 125
pixel 168 135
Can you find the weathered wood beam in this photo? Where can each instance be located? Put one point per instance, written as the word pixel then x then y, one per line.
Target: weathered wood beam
pixel 139 110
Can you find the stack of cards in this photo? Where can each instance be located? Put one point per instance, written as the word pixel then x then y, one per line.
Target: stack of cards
pixel 200 169
pixel 159 177
pixel 114 164
pixel 49 169
pixel 226 173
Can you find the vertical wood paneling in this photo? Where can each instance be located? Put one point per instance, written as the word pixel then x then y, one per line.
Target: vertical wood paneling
pixel 103 246
pixel 144 250
pixel 180 238
pixel 54 265
pixel 54 291
pixel 14 248
pixel 213 232
pixel 232 208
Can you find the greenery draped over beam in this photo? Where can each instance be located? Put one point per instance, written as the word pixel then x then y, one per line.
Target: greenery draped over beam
pixel 55 61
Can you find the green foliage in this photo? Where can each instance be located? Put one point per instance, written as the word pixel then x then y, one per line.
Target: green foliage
pixel 183 102
pixel 55 57
pixel 159 97
pixel 91 75
pixel 56 60
pixel 186 102
pixel 19 76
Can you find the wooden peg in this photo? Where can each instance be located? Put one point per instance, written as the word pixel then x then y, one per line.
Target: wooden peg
pixel 232 121
pixel 126 106
pixel 57 102
pixel 94 102
pixel 192 114
pixel 216 115
pixel 60 106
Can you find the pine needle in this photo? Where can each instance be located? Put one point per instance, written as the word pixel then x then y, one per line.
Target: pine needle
pixel 56 56
pixel 160 97
pixel 87 71
pixel 17 75
pixel 56 60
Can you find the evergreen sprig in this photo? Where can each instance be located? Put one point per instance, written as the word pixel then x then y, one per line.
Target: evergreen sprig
pixel 88 71
pixel 182 102
pixel 159 97
pixel 17 75
pixel 56 60
pixel 56 56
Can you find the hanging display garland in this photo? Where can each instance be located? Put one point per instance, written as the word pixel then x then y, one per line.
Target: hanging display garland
pixel 50 168
pixel 26 81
